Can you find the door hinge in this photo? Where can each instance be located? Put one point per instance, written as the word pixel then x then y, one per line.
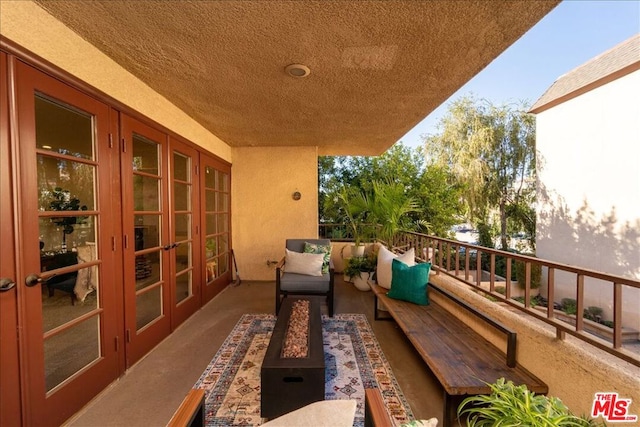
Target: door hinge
pixel 128 336
pixel 125 241
pixel 197 170
pixel 124 145
pixel 110 140
pixel 117 344
pixel 113 243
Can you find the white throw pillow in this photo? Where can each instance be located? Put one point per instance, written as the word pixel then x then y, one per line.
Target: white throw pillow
pixel 302 263
pixel 383 268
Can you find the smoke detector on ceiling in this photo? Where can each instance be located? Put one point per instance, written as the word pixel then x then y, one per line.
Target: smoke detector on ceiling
pixel 297 70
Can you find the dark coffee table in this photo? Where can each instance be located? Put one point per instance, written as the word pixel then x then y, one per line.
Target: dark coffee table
pixel 287 384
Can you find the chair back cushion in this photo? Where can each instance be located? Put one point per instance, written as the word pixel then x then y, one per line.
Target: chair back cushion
pixel 302 263
pixel 297 245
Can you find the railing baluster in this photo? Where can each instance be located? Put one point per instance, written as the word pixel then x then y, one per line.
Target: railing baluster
pixel 508 278
pixel 551 284
pixel 492 273
pixel 527 284
pixel 580 303
pixel 448 253
pixel 478 268
pixel 617 315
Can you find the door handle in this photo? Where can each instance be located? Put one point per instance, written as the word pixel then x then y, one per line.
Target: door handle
pixel 6 284
pixel 35 279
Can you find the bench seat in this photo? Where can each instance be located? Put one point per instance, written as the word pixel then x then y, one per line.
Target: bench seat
pixel 460 358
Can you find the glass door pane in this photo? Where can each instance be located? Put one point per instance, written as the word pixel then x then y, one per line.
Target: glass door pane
pixel 147 260
pixel 216 226
pixel 64 240
pixel 66 179
pixel 182 220
pixel 147 200
pixel 185 247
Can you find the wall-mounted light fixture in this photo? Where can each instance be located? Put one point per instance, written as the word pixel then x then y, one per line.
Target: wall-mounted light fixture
pixel 296 196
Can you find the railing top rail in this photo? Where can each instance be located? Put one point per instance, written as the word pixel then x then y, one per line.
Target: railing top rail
pixel 550 264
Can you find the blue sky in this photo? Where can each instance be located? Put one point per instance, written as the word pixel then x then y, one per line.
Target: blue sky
pixel 570 35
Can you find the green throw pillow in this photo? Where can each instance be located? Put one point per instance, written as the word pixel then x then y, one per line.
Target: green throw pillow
pixel 312 248
pixel 409 283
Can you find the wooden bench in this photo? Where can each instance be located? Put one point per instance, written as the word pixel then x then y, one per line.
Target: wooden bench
pixel 460 358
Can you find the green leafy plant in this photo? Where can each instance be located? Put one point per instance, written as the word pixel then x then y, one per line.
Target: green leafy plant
pixel 355 266
pixel 593 313
pixel 390 207
pixel 355 205
pixel 512 405
pixel 536 274
pixel 569 305
pixel 533 301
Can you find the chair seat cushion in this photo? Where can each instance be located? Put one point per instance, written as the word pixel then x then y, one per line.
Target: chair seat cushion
pixel 304 283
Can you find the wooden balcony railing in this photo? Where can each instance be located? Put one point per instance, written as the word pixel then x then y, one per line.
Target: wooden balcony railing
pixel 475 266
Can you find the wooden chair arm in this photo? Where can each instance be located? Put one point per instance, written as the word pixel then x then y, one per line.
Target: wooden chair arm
pixel 280 263
pixel 376 414
pixel 191 410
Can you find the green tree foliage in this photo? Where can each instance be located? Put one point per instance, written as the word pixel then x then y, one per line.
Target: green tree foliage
pixel 426 195
pixel 491 151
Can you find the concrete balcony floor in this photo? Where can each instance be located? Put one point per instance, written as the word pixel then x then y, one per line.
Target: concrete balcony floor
pixel 150 391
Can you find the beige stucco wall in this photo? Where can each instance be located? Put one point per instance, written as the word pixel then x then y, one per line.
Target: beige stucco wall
pixel 589 190
pixel 263 210
pixel 573 370
pixel 26 24
pixel 263 179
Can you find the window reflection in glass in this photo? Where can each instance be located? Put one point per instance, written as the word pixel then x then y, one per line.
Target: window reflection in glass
pixel 181 167
pixel 71 350
pixel 146 193
pixel 145 155
pixel 183 286
pixel 148 307
pixel 183 256
pixel 63 129
pixel 182 197
pixel 210 177
pixel 147 231
pixel 183 227
pixel 148 269
pixel 65 185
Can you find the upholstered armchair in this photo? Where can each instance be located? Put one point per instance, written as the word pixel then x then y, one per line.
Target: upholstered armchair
pixel 305 272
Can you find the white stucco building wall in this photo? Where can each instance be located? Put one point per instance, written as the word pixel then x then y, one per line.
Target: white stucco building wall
pixel 589 184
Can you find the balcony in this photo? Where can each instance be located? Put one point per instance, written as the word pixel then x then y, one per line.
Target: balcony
pixel 159 382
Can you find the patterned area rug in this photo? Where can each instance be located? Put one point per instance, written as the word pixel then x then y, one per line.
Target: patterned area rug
pixel 353 360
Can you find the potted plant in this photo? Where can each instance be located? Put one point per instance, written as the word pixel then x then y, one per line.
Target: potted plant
pixel 63 201
pixel 509 404
pixel 355 204
pixel 210 247
pixel 389 207
pixel 359 269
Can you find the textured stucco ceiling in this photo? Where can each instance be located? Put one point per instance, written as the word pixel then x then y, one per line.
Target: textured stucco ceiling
pixel 377 67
